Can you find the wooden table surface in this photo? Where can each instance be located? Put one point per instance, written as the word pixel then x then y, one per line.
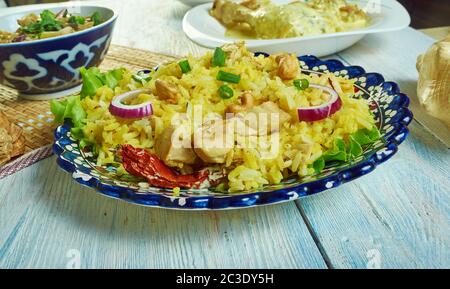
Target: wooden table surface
pixel 397 216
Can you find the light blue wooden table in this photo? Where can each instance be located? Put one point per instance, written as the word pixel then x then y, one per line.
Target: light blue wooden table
pixel 397 216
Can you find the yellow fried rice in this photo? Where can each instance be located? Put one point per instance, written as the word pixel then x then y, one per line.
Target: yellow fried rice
pixel 245 168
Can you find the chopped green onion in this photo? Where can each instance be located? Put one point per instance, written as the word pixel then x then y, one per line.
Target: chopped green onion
pixel 301 84
pixel 226 92
pixel 184 65
pixel 96 18
pixel 228 77
pixel 141 77
pixel 218 57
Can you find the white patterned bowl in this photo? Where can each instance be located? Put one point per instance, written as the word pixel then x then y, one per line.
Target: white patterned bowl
pixel 42 68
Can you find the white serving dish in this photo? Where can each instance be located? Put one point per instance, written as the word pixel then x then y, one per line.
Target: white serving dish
pixel 390 15
pixel 194 2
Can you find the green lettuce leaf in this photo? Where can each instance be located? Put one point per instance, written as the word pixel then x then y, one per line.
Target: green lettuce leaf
pixel 58 108
pixel 337 153
pixel 354 148
pixel 70 109
pixel 112 77
pixel 343 152
pixel 365 136
pixel 93 79
pixel 318 165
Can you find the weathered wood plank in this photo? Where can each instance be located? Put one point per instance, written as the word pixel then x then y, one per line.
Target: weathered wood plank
pixel 159 30
pixel 399 213
pixel 46 215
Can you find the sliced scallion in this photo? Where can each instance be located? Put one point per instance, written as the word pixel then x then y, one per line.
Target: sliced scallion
pixel 141 77
pixel 301 84
pixel 226 92
pixel 218 57
pixel 96 18
pixel 184 65
pixel 228 77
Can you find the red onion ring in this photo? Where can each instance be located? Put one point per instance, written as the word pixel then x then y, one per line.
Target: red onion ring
pixel 322 111
pixel 117 108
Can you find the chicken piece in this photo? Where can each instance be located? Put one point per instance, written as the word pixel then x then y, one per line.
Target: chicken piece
pixel 262 119
pixel 173 145
pixel 230 13
pixel 212 142
pixel 167 91
pixel 264 19
pixel 288 66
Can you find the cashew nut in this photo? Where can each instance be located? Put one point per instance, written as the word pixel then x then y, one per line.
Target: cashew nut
pixel 246 103
pixel 167 91
pixel 288 66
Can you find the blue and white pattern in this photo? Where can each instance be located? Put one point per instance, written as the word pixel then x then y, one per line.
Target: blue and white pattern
pixel 12 71
pixel 52 65
pixel 387 103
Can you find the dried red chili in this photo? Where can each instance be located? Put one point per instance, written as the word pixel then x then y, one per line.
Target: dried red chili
pixel 141 163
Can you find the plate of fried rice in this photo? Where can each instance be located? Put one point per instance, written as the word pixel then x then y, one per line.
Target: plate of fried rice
pixel 228 129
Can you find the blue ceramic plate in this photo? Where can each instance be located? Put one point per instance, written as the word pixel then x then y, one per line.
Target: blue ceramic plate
pixel 389 106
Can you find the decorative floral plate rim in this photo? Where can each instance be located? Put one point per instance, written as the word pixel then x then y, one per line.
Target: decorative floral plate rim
pixel 392 114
